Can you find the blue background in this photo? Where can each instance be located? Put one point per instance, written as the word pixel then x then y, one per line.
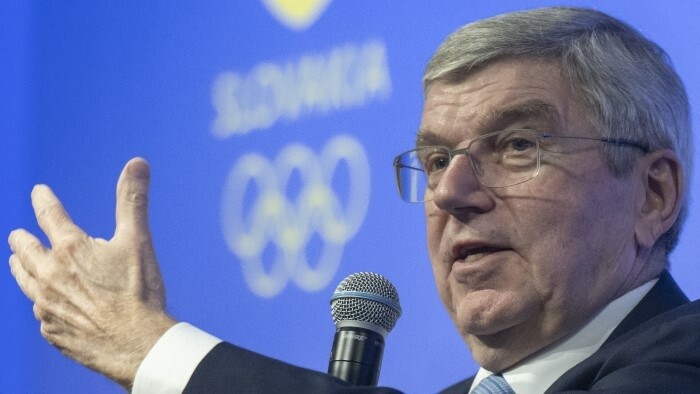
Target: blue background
pixel 86 85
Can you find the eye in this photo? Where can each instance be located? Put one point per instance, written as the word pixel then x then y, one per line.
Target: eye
pixel 521 144
pixel 517 151
pixel 515 143
pixel 435 161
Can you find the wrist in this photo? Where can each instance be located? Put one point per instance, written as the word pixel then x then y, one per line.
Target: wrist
pixel 139 342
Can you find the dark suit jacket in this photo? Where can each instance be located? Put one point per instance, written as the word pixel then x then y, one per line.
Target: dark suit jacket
pixel 656 349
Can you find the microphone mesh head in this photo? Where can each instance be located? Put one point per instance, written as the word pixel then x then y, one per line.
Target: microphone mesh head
pixel 366 297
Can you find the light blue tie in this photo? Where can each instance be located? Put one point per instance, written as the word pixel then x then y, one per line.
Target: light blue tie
pixel 494 384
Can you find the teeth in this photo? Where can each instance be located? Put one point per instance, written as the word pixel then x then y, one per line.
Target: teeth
pixel 474 257
pixel 470 255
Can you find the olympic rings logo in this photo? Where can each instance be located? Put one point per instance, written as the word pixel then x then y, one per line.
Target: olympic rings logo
pixel 251 222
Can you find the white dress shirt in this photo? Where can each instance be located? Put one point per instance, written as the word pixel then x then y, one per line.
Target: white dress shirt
pixel 169 365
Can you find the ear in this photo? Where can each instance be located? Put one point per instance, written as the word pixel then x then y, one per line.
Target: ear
pixel 661 199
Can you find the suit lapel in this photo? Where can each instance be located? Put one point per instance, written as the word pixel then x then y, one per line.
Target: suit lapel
pixel 459 388
pixel 664 296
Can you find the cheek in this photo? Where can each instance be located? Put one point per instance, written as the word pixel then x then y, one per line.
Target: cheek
pixel 550 242
pixel 498 298
pixel 576 239
pixel 444 287
pixel 436 220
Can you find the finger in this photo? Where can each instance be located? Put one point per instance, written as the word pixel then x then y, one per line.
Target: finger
pixel 132 199
pixel 24 279
pixel 28 249
pixel 50 214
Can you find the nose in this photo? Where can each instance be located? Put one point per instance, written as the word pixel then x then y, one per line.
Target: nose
pixel 459 190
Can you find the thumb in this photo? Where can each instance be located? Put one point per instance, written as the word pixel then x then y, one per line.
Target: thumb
pixel 132 199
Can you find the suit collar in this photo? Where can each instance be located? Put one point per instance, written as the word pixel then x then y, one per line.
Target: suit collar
pixel 664 296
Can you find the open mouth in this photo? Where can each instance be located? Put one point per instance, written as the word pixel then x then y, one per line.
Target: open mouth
pixel 471 254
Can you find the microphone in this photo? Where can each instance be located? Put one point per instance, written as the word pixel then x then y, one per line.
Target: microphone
pixel 365 307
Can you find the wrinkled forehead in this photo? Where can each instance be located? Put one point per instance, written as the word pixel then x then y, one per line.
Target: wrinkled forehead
pixel 514 93
pixel 534 113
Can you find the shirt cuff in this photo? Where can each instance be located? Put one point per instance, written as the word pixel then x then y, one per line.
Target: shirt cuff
pixel 169 365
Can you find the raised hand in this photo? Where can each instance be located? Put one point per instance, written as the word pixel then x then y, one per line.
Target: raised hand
pixel 100 302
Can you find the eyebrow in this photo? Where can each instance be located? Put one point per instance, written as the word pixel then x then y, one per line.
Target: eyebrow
pixel 499 119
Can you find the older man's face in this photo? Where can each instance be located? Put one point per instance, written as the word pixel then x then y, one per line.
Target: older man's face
pixel 520 267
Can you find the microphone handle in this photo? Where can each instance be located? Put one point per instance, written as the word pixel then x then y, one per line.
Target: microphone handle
pixel 356 356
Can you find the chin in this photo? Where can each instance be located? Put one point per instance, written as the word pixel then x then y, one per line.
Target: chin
pixel 486 313
pixel 494 353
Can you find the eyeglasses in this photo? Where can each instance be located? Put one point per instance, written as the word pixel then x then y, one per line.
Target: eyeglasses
pixel 499 159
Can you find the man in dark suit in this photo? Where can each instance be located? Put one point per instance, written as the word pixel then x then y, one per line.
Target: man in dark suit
pixel 551 160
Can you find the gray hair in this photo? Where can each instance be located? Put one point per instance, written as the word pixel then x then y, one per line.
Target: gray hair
pixel 624 81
